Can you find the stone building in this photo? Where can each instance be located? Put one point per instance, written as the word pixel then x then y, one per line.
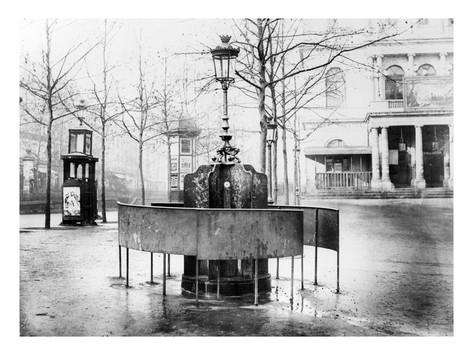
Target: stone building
pixel 393 123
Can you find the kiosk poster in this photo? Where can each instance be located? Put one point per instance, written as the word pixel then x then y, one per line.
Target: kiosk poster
pixel 71 201
pixel 174 161
pixel 174 181
pixel 186 164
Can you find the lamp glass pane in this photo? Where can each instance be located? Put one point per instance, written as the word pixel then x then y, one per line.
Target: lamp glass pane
pixel 88 140
pixel 215 66
pixel 269 134
pixel 80 143
pixel 221 73
pixel 227 66
pixel 72 142
pixel 231 70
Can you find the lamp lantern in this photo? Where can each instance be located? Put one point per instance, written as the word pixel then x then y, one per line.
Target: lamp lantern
pixel 271 128
pixel 224 57
pixel 402 144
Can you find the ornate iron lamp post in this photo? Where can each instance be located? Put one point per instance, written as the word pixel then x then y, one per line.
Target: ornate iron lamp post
pixel 224 57
pixel 271 128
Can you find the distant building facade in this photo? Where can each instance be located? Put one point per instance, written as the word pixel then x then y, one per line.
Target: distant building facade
pixel 393 125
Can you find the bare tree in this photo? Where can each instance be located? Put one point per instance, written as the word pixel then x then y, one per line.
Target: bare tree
pixel 139 120
pixel 103 111
pixel 49 81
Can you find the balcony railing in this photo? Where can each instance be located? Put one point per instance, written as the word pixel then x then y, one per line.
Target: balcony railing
pixel 395 104
pixel 343 180
pixel 420 93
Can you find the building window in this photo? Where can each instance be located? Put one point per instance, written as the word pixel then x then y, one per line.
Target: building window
pixel 393 83
pixel 335 143
pixel 335 87
pixel 426 70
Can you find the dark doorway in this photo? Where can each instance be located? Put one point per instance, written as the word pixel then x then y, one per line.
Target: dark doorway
pixel 401 141
pixel 433 169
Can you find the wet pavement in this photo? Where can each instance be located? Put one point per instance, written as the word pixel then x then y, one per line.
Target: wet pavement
pixel 396 278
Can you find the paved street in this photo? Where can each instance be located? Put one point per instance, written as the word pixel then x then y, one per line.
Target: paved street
pixel 396 270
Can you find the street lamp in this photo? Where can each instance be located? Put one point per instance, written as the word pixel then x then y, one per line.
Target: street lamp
pixel 224 56
pixel 271 128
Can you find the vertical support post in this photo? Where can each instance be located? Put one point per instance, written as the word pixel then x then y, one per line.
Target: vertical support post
pixel 338 271
pixel 164 274
pixel 169 265
pixel 277 268
pixel 338 254
pixel 374 143
pixel 292 281
pixel 256 282
pixel 315 250
pixel 218 279
pixel 196 279
pixel 385 179
pixel 302 269
pixel 270 173
pixel 151 271
pixel 419 180
pixel 127 268
pixel 120 261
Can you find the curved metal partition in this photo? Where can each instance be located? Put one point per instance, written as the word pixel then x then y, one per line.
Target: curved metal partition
pixel 321 230
pixel 226 234
pixel 211 233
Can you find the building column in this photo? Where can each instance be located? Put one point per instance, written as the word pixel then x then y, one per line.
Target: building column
pixel 385 180
pixel 419 181
pixel 450 146
pixel 375 181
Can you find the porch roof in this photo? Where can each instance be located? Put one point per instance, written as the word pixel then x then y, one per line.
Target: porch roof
pixel 336 150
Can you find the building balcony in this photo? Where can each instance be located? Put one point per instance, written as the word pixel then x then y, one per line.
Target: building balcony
pixel 426 93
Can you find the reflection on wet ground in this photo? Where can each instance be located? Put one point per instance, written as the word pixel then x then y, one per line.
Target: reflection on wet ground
pixel 396 279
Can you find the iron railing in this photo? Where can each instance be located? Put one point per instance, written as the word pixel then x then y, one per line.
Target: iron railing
pixel 350 180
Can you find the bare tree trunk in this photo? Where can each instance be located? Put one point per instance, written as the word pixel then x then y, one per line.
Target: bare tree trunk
pixel 261 96
pixel 104 207
pixel 274 164
pixel 284 155
pixel 262 136
pixel 141 173
pixel 169 167
pixel 104 122
pixel 47 209
pixel 295 188
pixel 275 169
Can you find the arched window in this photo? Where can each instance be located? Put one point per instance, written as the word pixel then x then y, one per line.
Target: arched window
pixel 335 87
pixel 335 143
pixel 426 70
pixel 393 83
